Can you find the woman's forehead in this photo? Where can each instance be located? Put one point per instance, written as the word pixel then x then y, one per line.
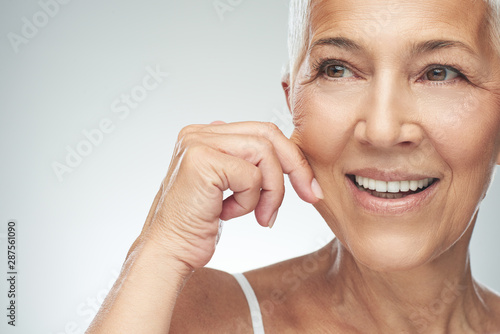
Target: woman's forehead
pixel 377 20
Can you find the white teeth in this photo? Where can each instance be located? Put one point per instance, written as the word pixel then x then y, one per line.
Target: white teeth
pixel 381 186
pixel 372 184
pixel 405 186
pixel 366 182
pixel 392 186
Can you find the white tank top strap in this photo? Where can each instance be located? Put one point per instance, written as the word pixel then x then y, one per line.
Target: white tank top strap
pixel 253 303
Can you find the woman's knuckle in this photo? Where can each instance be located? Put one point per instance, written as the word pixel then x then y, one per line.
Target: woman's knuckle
pixel 303 163
pixel 256 175
pixel 195 152
pixel 266 144
pixel 192 138
pixel 259 145
pixel 185 130
pixel 184 144
pixel 271 127
pixel 188 129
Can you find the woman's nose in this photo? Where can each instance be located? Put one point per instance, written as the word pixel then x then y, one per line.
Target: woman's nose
pixel 389 117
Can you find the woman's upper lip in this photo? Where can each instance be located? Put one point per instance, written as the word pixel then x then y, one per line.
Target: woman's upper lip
pixel 392 175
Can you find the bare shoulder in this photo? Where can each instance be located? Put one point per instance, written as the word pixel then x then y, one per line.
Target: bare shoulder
pixel 211 302
pixel 491 300
pixel 288 292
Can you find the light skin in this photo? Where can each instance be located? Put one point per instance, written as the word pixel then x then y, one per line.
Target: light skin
pixel 393 91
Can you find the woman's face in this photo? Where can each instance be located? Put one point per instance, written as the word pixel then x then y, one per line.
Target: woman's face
pixel 392 93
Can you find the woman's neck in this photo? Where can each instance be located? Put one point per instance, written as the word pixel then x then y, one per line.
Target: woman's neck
pixel 439 297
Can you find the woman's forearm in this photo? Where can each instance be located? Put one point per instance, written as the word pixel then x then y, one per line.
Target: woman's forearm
pixel 181 229
pixel 143 297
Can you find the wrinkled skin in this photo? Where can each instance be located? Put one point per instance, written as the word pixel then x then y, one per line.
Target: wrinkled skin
pixel 390 90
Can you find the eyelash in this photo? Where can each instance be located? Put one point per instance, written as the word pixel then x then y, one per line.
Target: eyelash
pixel 460 75
pixel 321 65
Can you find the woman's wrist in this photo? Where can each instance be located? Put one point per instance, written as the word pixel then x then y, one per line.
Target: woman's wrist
pixel 154 256
pixel 143 298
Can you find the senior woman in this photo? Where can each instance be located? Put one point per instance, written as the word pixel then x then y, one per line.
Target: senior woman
pixel 396 107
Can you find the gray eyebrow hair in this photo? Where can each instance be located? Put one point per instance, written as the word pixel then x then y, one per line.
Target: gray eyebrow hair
pixel 340 42
pixel 416 48
pixel 433 45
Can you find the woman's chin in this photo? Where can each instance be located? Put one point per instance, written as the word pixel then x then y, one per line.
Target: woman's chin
pixel 391 255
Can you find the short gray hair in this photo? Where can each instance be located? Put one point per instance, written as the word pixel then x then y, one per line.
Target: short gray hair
pixel 298 32
pixel 494 21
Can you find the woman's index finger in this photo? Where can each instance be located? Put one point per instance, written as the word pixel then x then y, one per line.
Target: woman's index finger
pixel 290 156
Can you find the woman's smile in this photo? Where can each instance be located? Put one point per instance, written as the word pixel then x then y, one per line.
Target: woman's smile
pixel 391 195
pixel 383 189
pixel 401 128
pixel 396 108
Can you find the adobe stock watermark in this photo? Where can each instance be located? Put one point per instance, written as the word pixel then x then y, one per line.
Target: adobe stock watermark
pixel 290 282
pixel 87 309
pixel 121 108
pixel 224 6
pixel 283 120
pixel 422 318
pixel 31 27
pixel 382 18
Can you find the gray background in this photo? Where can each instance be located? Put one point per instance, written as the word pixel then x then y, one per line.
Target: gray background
pixel 74 233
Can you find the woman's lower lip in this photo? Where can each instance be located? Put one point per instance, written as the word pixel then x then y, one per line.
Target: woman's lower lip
pixel 383 206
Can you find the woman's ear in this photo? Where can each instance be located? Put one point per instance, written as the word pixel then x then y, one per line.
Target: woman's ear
pixel 285 83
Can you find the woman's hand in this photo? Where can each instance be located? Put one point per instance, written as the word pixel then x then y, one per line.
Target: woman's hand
pixel 180 231
pixel 248 158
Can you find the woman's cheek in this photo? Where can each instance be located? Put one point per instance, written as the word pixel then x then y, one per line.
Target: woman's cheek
pixel 462 126
pixel 324 119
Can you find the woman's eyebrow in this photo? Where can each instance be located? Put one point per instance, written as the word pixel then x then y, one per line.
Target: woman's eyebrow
pixel 434 45
pixel 415 49
pixel 340 42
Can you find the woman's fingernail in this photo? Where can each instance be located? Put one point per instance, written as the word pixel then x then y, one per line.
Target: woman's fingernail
pixel 272 219
pixel 317 189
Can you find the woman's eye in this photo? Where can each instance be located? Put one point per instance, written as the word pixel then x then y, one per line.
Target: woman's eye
pixel 441 74
pixel 337 71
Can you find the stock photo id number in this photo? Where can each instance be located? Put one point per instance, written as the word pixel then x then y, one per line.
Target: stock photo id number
pixel 11 252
